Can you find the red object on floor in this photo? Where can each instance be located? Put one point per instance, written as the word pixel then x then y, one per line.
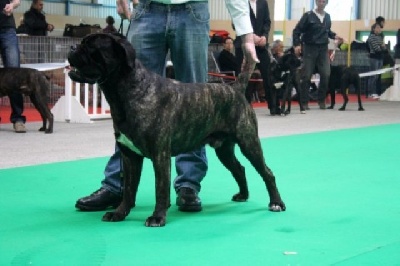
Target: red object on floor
pixel 32 115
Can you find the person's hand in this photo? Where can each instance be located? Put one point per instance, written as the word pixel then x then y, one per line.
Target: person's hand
pixel 8 9
pixel 50 27
pixel 332 55
pixel 249 52
pixel 262 42
pixel 123 9
pixel 339 39
pixel 297 50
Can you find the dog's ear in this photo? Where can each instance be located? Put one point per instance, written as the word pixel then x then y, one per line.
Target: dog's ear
pixel 129 52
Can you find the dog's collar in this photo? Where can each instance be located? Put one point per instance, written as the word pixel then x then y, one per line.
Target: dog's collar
pixel 125 141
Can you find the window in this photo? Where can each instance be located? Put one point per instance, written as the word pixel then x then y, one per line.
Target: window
pixel 390 36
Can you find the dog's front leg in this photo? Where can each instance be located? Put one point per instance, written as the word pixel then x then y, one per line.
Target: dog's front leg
pixel 132 168
pixel 162 170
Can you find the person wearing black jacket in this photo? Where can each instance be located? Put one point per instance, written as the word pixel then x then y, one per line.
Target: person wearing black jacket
pixel 226 59
pixel 313 32
pixel 397 46
pixel 35 20
pixel 261 22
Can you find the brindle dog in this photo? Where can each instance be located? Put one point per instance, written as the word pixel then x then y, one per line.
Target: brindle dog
pixel 32 83
pixel 156 118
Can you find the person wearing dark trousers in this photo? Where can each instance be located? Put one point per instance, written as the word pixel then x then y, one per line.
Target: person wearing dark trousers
pixel 376 49
pixel 313 32
pixel 187 41
pixel 381 21
pixel 10 56
pixel 261 22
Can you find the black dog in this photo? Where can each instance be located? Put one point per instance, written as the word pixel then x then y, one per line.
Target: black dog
pixel 285 70
pixel 32 83
pixel 341 78
pixel 157 118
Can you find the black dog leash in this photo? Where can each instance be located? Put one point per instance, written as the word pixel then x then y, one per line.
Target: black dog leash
pixel 121 28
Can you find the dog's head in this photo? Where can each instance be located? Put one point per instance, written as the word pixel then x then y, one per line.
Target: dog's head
pixel 99 56
pixel 289 62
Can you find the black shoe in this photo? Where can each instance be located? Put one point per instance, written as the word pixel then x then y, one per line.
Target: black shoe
pixel 99 200
pixel 322 105
pixel 188 201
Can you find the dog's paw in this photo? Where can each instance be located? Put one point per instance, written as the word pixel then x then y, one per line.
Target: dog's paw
pixel 277 207
pixel 361 109
pixel 113 217
pixel 154 221
pixel 239 197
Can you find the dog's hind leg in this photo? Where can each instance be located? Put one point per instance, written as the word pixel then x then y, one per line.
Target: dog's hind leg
pixel 132 169
pixel 44 111
pixel 251 149
pixel 226 154
pixel 344 88
pixel 357 86
pixel 332 95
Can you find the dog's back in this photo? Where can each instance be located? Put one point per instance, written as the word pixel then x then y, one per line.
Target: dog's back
pixel 32 83
pixel 343 76
pixel 23 80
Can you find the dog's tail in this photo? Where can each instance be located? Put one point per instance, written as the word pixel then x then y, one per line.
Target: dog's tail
pixel 244 76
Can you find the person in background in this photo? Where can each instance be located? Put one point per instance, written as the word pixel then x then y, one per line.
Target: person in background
pixel 22 27
pixel 10 56
pixel 376 49
pixel 110 25
pixel 381 21
pixel 187 41
pixel 313 32
pixel 261 23
pixel 226 59
pixel 277 49
pixel 35 20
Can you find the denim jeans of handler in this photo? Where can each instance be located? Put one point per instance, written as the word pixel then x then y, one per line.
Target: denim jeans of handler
pixel 374 64
pixel 10 56
pixel 182 30
pixel 315 56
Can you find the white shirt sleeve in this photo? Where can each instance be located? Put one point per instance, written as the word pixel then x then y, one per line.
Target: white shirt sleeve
pixel 240 14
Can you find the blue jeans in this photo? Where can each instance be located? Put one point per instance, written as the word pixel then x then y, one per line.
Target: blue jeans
pixel 375 64
pixel 315 56
pixel 183 31
pixel 10 56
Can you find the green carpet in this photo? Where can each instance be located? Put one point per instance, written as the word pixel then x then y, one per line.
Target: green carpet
pixel 341 189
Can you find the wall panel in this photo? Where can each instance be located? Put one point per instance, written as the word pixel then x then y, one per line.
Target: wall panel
pixel 389 9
